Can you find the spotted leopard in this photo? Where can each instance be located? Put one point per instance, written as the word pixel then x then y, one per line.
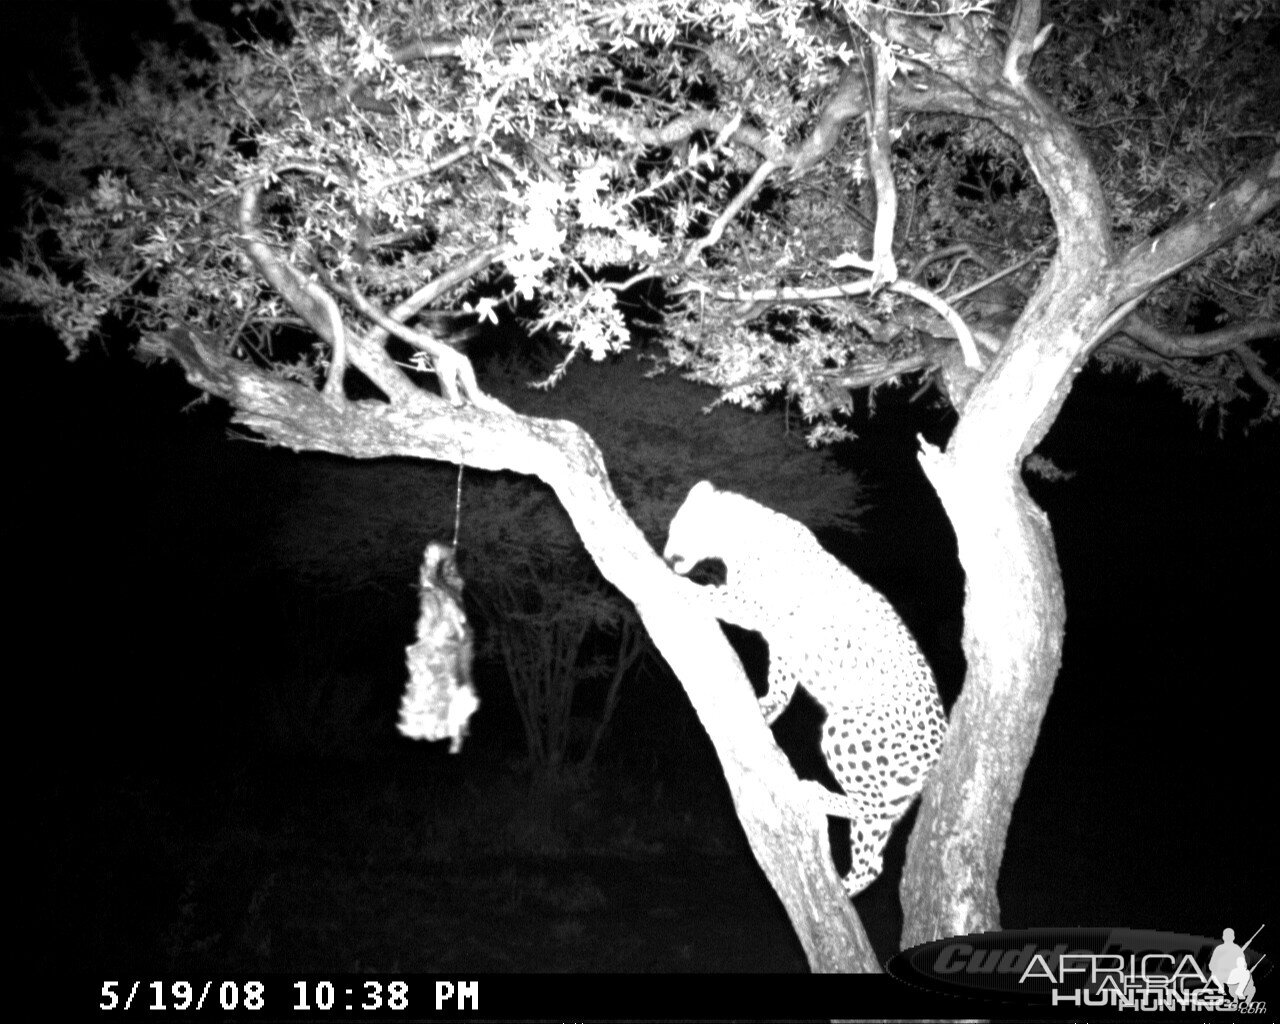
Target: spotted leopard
pixel 831 633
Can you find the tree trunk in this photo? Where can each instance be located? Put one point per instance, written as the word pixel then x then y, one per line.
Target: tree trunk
pixel 1014 611
pixel 1014 621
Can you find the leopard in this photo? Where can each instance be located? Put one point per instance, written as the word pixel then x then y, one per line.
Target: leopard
pixel 839 639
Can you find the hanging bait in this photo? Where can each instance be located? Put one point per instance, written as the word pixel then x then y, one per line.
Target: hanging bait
pixel 440 697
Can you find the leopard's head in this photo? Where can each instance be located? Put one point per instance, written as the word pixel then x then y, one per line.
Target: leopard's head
pixel 692 536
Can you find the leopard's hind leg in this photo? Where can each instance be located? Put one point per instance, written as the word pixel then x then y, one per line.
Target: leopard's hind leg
pixel 880 751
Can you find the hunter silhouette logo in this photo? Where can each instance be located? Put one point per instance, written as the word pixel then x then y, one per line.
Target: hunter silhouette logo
pixel 1229 969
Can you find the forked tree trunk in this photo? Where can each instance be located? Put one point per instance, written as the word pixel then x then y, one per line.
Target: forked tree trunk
pixel 1014 610
pixel 1014 613
pixel 1014 620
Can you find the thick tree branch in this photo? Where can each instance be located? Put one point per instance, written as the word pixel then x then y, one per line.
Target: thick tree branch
pixel 440 47
pixel 943 308
pixel 682 128
pixel 318 309
pixel 1196 346
pixel 804 296
pixel 308 300
pixel 1245 203
pixel 847 101
pixel 879 64
pixel 1181 371
pixel 1025 39
pixel 868 373
pixel 773 806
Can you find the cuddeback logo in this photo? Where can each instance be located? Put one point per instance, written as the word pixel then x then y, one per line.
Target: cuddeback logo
pixel 1118 968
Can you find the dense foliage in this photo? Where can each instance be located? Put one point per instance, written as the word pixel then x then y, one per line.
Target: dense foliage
pixel 692 161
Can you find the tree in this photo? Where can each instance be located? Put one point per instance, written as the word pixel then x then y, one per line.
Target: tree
pixel 817 199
